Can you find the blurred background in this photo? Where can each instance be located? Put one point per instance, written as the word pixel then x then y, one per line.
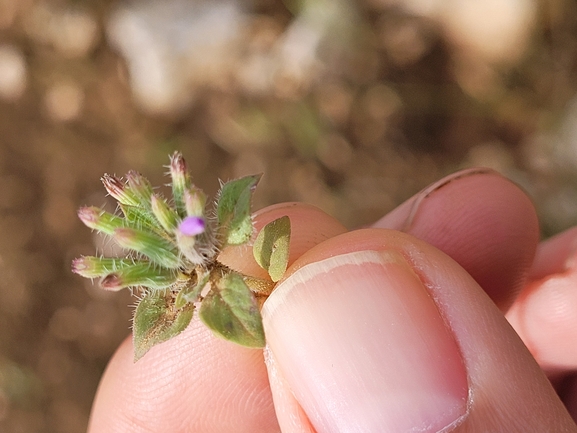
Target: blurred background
pixel 352 106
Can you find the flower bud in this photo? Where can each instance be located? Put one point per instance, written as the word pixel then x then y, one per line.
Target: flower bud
pixel 140 187
pixel 166 216
pixel 139 274
pixel 117 189
pixel 180 181
pixel 194 201
pixel 157 249
pixel 99 219
pixel 92 267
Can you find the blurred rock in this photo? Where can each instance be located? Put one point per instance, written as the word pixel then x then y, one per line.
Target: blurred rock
pixel 173 45
pixel 12 72
pixel 321 29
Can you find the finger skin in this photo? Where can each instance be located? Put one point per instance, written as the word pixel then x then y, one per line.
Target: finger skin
pixel 483 221
pixel 545 313
pixel 555 255
pixel 194 382
pixel 197 382
pixel 507 389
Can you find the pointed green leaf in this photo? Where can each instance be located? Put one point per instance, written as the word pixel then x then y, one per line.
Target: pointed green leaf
pixel 157 320
pixel 271 247
pixel 233 210
pixel 231 311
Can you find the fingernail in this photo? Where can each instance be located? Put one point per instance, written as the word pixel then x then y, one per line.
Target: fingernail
pixel 403 217
pixel 364 348
pixel 424 194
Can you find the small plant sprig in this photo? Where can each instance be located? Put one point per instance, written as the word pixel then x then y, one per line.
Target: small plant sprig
pixel 172 261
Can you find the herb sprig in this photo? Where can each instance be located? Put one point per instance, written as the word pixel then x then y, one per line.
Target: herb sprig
pixel 173 249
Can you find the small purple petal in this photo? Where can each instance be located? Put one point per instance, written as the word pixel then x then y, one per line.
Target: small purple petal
pixel 191 226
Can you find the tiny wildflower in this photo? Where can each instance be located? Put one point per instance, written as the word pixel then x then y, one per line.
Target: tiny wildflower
pixel 172 261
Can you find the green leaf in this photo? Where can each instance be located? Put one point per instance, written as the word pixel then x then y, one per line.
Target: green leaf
pixel 259 286
pixel 231 311
pixel 233 210
pixel 157 320
pixel 271 247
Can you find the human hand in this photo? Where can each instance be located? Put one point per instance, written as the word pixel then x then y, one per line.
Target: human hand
pixel 372 330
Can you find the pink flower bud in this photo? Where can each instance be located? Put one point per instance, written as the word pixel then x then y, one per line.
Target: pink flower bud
pixel 117 189
pixel 192 226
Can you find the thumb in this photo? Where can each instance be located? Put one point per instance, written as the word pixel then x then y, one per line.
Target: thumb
pixel 377 331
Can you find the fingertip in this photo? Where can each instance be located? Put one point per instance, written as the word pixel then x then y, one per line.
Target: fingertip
pixel 485 222
pixel 555 255
pixel 545 313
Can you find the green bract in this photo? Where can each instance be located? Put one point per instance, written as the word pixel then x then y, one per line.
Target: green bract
pixel 271 247
pixel 233 210
pixel 172 262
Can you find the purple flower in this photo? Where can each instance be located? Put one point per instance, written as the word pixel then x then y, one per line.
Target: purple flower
pixel 191 226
